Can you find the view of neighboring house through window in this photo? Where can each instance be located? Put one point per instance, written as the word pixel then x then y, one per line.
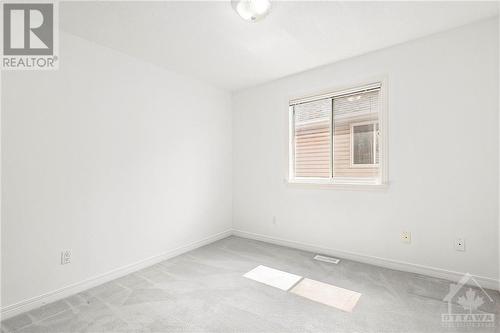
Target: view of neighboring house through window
pixel 335 138
pixel 313 131
pixel 364 144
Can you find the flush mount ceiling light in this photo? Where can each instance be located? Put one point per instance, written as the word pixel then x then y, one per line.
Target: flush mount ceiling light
pixel 252 10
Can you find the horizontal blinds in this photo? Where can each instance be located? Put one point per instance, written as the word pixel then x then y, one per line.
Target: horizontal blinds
pixel 346 92
pixel 312 140
pixel 361 104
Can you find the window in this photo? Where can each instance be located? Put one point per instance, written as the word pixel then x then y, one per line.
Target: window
pixel 364 144
pixel 337 138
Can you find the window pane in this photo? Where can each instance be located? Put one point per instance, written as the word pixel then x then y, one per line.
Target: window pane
pixel 363 144
pixel 312 128
pixel 356 154
pixel 337 137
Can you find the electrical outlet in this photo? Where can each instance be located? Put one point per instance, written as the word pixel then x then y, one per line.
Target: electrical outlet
pixel 65 257
pixel 274 220
pixel 406 237
pixel 460 244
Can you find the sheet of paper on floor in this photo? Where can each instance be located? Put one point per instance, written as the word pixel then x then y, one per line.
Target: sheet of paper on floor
pixel 273 277
pixel 328 294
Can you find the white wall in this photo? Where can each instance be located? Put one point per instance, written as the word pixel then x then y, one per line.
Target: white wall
pixel 443 157
pixel 498 37
pixel 110 157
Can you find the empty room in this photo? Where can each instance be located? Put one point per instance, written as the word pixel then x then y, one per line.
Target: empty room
pixel 250 166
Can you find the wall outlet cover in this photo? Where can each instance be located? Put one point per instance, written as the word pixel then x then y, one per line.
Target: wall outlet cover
pixel 65 257
pixel 406 237
pixel 460 244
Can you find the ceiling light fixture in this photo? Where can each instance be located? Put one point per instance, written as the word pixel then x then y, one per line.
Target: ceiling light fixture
pixel 252 10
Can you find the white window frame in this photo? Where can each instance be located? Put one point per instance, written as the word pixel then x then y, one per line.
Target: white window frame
pixel 347 183
pixel 375 139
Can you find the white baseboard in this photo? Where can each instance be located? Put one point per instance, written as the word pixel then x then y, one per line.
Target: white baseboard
pixel 485 282
pixel 55 295
pixel 35 302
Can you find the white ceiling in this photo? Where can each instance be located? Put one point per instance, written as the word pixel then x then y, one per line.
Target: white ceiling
pixel 209 41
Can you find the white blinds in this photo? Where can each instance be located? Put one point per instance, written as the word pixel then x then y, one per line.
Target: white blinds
pixel 312 128
pixel 361 103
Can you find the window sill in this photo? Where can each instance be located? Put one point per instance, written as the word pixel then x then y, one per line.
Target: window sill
pixel 337 184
